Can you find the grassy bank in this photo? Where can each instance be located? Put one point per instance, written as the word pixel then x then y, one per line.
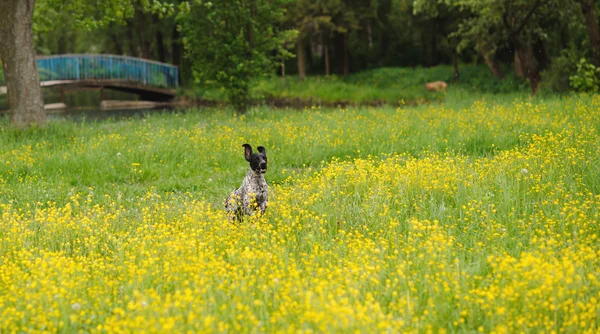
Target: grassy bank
pixel 393 86
pixel 474 219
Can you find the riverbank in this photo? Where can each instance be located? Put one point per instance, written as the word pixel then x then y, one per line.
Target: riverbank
pixel 383 86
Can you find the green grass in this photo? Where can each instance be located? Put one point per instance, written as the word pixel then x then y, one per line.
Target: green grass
pixel 393 86
pixel 465 216
pixel 100 154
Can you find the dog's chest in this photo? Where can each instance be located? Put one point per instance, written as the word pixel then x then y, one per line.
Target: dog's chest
pixel 258 187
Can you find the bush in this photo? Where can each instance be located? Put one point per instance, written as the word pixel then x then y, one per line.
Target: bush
pixel 587 78
pixel 556 78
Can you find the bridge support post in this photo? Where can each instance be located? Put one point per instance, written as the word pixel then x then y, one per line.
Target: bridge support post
pixel 101 93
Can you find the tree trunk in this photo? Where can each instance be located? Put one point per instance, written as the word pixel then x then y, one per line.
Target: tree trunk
pixel 308 58
pixel 63 47
pixel 17 52
pixel 176 46
pixel 541 55
pixel 338 53
pixel 116 41
pixel 518 65
pixel 249 27
pixel 529 64
pixel 161 51
pixel 346 56
pixel 301 60
pixel 160 47
pixel 141 27
pixel 492 64
pixel 327 58
pixel 369 35
pixel 434 48
pixel 591 21
pixel 133 51
pixel 455 65
pixel 282 69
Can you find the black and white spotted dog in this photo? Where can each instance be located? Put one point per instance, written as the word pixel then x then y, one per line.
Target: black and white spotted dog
pixel 253 194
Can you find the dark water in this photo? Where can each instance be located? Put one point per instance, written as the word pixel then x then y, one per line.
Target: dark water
pixel 85 104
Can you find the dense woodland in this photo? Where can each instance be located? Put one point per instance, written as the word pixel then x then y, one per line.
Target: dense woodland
pixel 530 37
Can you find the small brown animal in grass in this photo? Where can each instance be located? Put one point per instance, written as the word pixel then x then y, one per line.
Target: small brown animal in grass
pixel 436 86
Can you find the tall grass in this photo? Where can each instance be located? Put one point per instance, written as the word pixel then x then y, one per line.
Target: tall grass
pixel 465 219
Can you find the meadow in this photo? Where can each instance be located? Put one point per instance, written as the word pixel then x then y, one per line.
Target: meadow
pixel 393 86
pixel 459 217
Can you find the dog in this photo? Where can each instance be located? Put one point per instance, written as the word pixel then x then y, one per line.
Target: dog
pixel 253 194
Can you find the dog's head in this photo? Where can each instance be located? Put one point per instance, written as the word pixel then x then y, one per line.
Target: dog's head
pixel 258 161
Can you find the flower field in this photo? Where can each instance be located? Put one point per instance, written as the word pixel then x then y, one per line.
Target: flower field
pixel 423 219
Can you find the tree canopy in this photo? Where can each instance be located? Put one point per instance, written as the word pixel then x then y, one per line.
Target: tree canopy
pixel 231 42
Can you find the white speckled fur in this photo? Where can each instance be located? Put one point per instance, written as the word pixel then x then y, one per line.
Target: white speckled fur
pixel 239 204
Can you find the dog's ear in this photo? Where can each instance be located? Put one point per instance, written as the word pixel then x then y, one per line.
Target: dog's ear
pixel 262 150
pixel 247 151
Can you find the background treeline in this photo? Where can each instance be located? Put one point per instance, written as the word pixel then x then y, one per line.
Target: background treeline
pixel 542 41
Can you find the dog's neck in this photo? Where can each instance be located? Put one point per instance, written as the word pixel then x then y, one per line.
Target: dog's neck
pixel 254 176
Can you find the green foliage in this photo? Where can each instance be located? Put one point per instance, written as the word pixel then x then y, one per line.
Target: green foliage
pixel 495 23
pixel 587 77
pixel 89 14
pixel 231 42
pixel 556 78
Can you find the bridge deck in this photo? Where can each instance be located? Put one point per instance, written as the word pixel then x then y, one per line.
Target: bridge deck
pixel 149 79
pixel 151 93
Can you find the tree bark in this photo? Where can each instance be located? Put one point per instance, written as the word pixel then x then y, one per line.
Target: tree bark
pixel 526 60
pixel 369 35
pixel 308 58
pixel 346 56
pixel 141 26
pixel 176 46
pixel 161 51
pixel 327 58
pixel 524 50
pixel 133 51
pixel 116 41
pixel 17 52
pixel 455 65
pixel 434 47
pixel 591 21
pixel 540 54
pixel 338 53
pixel 492 64
pixel 518 65
pixel 301 60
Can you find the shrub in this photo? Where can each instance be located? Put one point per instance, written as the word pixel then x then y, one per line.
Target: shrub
pixel 587 78
pixel 556 78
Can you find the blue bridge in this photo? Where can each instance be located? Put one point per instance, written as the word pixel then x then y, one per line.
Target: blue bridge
pixel 151 80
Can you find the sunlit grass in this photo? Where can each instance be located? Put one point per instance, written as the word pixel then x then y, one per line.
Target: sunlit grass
pixel 472 219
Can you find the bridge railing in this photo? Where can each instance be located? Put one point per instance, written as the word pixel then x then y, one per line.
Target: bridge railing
pixel 107 67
